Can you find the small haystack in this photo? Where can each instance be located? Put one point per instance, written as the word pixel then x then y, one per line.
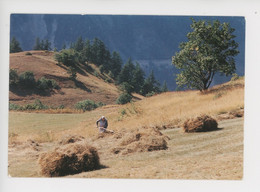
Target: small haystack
pixel 71 139
pixel 69 159
pixel 141 140
pixel 202 123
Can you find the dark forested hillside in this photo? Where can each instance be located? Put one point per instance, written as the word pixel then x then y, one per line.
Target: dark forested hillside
pixel 150 40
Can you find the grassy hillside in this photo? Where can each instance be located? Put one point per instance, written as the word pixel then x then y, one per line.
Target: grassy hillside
pixel 89 84
pixel 210 155
pixel 167 110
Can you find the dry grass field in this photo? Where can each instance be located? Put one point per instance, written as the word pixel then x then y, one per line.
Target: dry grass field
pixel 207 155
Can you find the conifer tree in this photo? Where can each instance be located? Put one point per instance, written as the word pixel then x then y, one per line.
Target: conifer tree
pixel 15 46
pixel 127 72
pixel 164 87
pixel 37 45
pixel 79 45
pixel 151 84
pixel 116 64
pixel 138 79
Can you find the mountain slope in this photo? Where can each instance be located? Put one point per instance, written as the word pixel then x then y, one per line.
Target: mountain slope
pixel 90 83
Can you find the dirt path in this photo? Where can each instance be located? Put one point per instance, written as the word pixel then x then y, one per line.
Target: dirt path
pixel 209 155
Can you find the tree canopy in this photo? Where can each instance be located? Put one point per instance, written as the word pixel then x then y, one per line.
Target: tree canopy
pixel 210 49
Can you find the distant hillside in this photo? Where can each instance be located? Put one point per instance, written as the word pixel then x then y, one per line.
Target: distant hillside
pixel 146 39
pixel 89 84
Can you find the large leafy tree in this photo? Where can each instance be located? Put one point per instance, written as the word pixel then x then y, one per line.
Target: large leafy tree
pixel 210 49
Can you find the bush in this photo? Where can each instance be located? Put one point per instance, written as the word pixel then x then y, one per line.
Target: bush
pixel 37 105
pixel 27 80
pixel 96 74
pixel 67 56
pixel 100 104
pixel 86 105
pixel 28 53
pixel 126 87
pixel 72 72
pixel 101 69
pixel 13 106
pixel 234 77
pixel 13 76
pixel 61 107
pixel 124 98
pixel 150 94
pixel 46 84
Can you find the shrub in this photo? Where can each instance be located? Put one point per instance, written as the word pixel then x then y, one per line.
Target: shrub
pixel 27 80
pixel 13 76
pixel 61 107
pixel 107 80
pixel 234 77
pixel 123 112
pixel 101 69
pixel 100 104
pixel 13 106
pixel 126 87
pixel 28 53
pixel 124 98
pixel 96 74
pixel 67 56
pixel 46 84
pixel 150 94
pixel 86 105
pixel 37 105
pixel 72 72
pixel 110 74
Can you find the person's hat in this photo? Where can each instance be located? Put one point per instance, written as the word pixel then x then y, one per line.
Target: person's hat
pixel 103 117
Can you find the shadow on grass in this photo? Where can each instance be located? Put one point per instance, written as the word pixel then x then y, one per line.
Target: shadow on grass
pixel 212 130
pixel 29 91
pixel 81 85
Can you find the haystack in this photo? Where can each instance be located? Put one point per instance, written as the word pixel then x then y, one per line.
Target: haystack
pixel 202 123
pixel 141 140
pixel 69 159
pixel 71 139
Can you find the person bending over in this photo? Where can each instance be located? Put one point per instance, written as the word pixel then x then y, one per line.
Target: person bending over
pixel 102 124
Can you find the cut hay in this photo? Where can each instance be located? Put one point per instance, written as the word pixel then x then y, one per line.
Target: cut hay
pixel 202 123
pixel 141 140
pixel 231 115
pixel 69 159
pixel 71 139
